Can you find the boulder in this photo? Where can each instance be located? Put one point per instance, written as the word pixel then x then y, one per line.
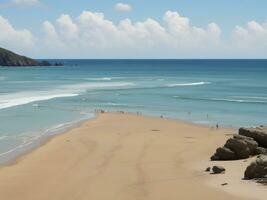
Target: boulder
pixel 257 169
pixel 218 169
pixel 223 153
pixel 260 150
pixel 251 143
pixel 207 169
pixel 259 134
pixel 239 147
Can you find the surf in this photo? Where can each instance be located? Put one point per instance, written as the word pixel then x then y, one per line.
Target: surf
pixel 188 84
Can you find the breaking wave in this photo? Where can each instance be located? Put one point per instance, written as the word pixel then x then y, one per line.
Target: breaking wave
pixel 99 79
pixel 12 100
pixel 22 98
pixel 188 84
pixel 235 100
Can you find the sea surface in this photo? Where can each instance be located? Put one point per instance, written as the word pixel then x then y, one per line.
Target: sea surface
pixel 39 101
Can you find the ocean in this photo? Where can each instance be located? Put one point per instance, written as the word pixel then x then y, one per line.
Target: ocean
pixel 39 101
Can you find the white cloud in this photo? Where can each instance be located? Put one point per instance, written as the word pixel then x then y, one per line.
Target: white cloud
pixel 250 39
pixel 15 39
pixel 91 35
pixel 67 27
pixel 123 7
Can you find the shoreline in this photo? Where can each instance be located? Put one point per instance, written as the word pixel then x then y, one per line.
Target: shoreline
pixel 140 156
pixel 10 157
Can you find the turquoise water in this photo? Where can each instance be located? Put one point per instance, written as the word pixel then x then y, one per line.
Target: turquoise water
pixel 36 101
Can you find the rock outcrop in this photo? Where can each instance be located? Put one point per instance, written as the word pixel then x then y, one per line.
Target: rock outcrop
pixel 257 169
pixel 218 169
pixel 249 142
pixel 260 150
pixel 259 134
pixel 8 58
pixel 238 147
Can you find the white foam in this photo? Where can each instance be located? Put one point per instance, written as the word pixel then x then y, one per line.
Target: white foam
pixel 82 87
pixel 24 144
pixel 116 104
pixel 3 137
pixel 238 100
pixel 7 101
pixel 251 97
pixel 99 79
pixel 187 84
pixel 22 98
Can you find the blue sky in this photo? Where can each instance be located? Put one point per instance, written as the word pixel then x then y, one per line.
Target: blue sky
pixel 226 14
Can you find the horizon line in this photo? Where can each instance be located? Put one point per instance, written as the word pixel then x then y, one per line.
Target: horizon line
pixel 150 58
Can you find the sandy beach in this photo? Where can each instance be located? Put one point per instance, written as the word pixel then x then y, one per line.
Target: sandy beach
pixel 128 157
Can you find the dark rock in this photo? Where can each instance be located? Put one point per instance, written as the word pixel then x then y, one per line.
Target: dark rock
pixel 259 134
pixel 223 153
pixel 58 64
pixel 218 169
pixel 260 150
pixel 44 63
pixel 8 58
pixel 257 169
pixel 239 147
pixel 207 169
pixel 223 184
pixel 242 137
pixel 262 180
pixel 251 143
pixel 11 59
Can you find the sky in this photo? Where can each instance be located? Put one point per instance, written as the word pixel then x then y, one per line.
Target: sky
pixel 134 28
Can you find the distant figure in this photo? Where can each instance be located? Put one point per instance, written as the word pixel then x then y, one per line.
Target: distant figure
pixel 217 126
pixel 161 116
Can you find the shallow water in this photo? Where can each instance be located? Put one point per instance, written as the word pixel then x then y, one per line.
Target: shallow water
pixel 34 101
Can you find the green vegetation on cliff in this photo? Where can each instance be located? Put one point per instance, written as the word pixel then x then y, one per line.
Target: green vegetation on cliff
pixel 8 58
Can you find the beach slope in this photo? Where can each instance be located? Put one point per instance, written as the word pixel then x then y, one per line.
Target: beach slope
pixel 119 157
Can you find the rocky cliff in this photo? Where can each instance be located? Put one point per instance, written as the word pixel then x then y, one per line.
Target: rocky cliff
pixel 8 58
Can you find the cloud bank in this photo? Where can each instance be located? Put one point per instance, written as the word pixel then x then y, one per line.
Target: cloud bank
pixel 14 39
pixel 91 35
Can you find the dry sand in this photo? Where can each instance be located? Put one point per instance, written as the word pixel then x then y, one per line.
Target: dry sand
pixel 127 157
